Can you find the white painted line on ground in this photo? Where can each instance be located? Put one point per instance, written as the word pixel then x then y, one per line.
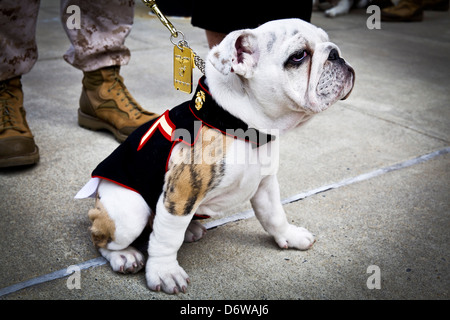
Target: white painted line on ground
pixel 51 276
pixel 239 216
pixel 365 176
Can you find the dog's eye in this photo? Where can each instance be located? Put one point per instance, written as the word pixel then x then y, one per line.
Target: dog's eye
pixel 297 58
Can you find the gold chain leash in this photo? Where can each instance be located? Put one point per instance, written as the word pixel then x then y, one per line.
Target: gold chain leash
pixel 152 5
pixel 174 33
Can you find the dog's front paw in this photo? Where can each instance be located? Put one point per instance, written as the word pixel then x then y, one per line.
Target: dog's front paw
pixel 128 260
pixel 295 237
pixel 168 277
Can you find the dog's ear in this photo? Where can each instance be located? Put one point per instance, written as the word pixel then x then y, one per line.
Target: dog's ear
pixel 238 53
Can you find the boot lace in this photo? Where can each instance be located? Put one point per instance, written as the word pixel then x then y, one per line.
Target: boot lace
pixel 7 112
pixel 122 90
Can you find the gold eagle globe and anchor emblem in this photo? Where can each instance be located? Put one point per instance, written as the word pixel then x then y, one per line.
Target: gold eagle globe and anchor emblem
pixel 199 100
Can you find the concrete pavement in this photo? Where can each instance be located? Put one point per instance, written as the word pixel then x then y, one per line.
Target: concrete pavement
pixel 397 219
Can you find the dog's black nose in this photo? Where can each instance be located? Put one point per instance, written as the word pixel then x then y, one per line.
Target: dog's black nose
pixel 334 55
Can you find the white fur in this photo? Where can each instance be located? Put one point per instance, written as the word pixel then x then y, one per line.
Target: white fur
pixel 127 209
pixel 270 213
pixel 128 260
pixel 162 270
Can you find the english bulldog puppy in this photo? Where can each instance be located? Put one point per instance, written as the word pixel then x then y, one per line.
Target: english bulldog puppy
pixel 216 151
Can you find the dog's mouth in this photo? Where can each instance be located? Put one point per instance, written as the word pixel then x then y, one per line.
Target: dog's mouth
pixel 335 83
pixel 350 81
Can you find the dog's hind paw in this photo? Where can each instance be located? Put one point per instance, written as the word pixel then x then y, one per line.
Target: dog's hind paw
pixel 128 260
pixel 194 232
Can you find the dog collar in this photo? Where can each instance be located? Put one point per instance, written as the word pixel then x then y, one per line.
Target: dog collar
pixel 206 109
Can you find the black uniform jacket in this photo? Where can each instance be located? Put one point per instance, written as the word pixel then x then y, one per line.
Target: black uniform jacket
pixel 140 162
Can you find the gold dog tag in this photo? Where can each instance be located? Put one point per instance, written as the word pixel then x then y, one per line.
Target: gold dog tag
pixel 183 63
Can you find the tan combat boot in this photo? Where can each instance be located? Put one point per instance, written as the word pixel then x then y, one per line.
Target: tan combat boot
pixel 105 103
pixel 17 146
pixel 404 11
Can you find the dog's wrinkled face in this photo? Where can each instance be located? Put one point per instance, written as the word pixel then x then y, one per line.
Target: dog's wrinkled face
pixel 285 64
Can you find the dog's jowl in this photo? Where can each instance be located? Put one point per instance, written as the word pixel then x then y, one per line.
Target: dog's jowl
pixel 216 151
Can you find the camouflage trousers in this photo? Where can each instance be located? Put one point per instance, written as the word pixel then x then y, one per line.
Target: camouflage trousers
pixel 97 43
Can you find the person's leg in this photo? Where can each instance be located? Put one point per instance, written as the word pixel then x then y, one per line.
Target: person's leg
pixel 18 54
pixel 214 38
pixel 219 23
pixel 100 40
pixel 98 49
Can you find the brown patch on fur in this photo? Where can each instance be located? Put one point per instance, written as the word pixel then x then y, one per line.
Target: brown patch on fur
pixel 194 172
pixel 103 228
